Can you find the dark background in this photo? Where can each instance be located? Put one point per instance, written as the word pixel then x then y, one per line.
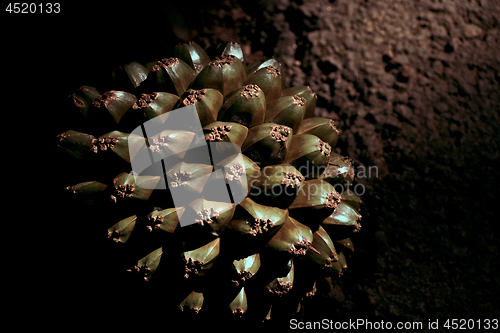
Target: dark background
pixel 414 86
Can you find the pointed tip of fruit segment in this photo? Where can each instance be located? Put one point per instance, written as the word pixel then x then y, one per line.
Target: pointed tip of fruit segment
pixel 260 226
pixel 194 96
pixel 123 191
pixel 144 101
pixel 217 133
pixel 192 303
pixel 235 172
pixel 223 60
pixel 334 257
pixel 301 101
pixel 312 92
pixel 103 144
pixel 165 63
pixel 239 305
pixel 207 215
pixel 333 126
pixel 105 99
pixel 180 178
pixel 192 267
pixel 300 248
pixel 332 199
pixel 325 148
pixel 251 90
pixel 280 133
pixel 155 222
pixel 292 179
pixel 273 71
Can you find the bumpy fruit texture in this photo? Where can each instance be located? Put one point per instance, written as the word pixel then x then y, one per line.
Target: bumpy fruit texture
pixel 284 227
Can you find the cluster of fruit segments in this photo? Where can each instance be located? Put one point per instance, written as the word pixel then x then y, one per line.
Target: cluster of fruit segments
pixel 284 229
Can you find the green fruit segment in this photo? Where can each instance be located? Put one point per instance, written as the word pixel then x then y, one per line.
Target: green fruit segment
pixel 109 108
pixel 192 303
pixel 215 215
pixel 82 98
pixel 322 251
pixel 254 67
pixel 309 154
pixel 268 316
pixel 170 143
pixel 136 72
pixel 234 49
pixel 343 221
pixel 293 237
pixel 315 201
pixel 346 243
pixel 193 55
pixel 197 261
pixel 220 131
pixel 166 220
pixel 280 174
pixel 223 74
pixel 238 172
pixel 129 76
pixel 343 215
pixel 122 144
pixel 245 105
pixel 91 187
pixel 269 80
pixel 147 265
pixel 155 104
pixel 207 102
pixel 323 128
pixel 239 304
pixel 308 94
pixel 287 111
pixel 170 75
pixel 254 219
pixel 268 143
pixel 121 231
pixel 231 48
pixel 130 186
pixel 338 170
pixel 188 177
pixel 246 268
pixel 76 144
pixel 238 165
pixel 277 185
